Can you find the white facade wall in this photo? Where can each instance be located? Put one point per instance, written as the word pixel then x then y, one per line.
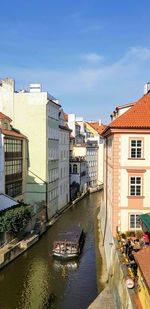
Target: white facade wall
pixel 100 166
pixel 2 165
pixel 64 188
pixel 80 176
pixel 92 166
pixel 36 116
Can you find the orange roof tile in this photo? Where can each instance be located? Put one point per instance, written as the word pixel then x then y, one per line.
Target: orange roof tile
pixel 142 257
pixel 65 117
pixel 13 133
pixel 3 117
pixel 95 125
pixel 138 116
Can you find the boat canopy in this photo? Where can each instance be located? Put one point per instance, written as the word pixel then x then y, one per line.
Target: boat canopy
pixel 70 235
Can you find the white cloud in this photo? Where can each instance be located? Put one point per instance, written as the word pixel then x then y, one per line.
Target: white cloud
pixel 107 84
pixel 93 58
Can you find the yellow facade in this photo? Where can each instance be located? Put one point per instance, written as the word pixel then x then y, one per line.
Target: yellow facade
pixel 143 292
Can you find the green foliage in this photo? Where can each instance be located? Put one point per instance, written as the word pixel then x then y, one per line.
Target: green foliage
pixel 14 220
pixel 136 233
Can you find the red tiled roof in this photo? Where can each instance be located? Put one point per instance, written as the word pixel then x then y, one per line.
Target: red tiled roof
pixel 13 133
pixel 142 257
pixel 138 116
pixel 65 117
pixel 95 125
pixel 3 117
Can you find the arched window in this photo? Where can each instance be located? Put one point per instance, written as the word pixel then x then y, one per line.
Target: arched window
pixel 75 168
pixel 70 168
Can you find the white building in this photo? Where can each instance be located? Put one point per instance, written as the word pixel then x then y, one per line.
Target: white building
pixel 78 180
pixel 36 114
pixel 88 143
pixel 64 188
pixel 2 164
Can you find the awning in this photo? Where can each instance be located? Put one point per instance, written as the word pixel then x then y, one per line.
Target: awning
pixel 6 201
pixel 145 220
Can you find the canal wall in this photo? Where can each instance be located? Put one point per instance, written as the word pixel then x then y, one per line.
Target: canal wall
pixel 13 249
pixel 113 271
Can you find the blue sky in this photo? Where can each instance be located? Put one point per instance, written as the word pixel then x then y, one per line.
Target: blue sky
pixel 91 54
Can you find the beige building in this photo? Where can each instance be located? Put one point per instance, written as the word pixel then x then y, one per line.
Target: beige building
pixel 64 188
pixel 36 114
pixel 126 170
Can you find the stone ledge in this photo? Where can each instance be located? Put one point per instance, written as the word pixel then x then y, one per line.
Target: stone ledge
pixel 104 300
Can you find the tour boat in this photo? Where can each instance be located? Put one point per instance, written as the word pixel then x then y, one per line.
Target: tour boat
pixel 69 244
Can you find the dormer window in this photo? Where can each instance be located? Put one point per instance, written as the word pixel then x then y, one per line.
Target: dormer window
pixel 5 126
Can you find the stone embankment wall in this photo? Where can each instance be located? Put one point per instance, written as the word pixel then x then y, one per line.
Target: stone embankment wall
pixel 113 274
pixel 12 250
pixel 117 276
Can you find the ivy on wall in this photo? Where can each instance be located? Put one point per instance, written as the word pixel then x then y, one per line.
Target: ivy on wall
pixel 15 219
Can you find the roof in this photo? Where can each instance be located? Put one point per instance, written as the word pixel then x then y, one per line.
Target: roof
pixel 6 202
pixel 95 125
pixel 142 258
pixel 72 235
pixel 3 117
pixel 145 218
pixel 13 133
pixel 138 116
pixel 65 117
pixel 65 127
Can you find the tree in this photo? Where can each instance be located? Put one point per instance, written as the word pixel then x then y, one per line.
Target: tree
pixel 14 220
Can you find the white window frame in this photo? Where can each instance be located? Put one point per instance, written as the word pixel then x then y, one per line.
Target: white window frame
pixel 135 222
pixel 136 185
pixel 136 148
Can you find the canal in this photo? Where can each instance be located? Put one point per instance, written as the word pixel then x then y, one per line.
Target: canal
pixel 36 281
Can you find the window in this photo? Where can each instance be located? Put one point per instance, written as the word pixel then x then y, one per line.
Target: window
pixel 75 168
pixel 14 189
pixel 13 148
pixel 5 126
pixel 70 168
pixel 136 149
pixel 134 221
pixel 135 185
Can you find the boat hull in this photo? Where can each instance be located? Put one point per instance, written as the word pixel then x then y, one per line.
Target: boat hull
pixel 65 256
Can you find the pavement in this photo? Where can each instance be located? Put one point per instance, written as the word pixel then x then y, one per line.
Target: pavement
pixel 104 300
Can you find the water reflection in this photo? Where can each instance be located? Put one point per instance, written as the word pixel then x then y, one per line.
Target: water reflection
pixel 64 268
pixel 35 289
pixel 35 280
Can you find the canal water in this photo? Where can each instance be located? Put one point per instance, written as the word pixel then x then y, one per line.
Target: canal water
pixel 35 280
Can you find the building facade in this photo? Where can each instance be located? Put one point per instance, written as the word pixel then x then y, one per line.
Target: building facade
pixel 14 160
pixel 87 142
pixel 64 188
pixel 78 178
pixel 127 172
pixel 36 114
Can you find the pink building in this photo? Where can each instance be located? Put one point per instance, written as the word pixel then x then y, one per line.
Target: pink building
pixel 127 167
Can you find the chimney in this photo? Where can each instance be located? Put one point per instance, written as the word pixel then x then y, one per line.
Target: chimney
pixel 100 122
pixel 146 88
pixel 35 88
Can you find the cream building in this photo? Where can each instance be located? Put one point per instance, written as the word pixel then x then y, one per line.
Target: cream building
pixel 89 143
pixel 93 133
pixel 64 188
pixel 36 114
pixel 127 170
pixel 2 165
